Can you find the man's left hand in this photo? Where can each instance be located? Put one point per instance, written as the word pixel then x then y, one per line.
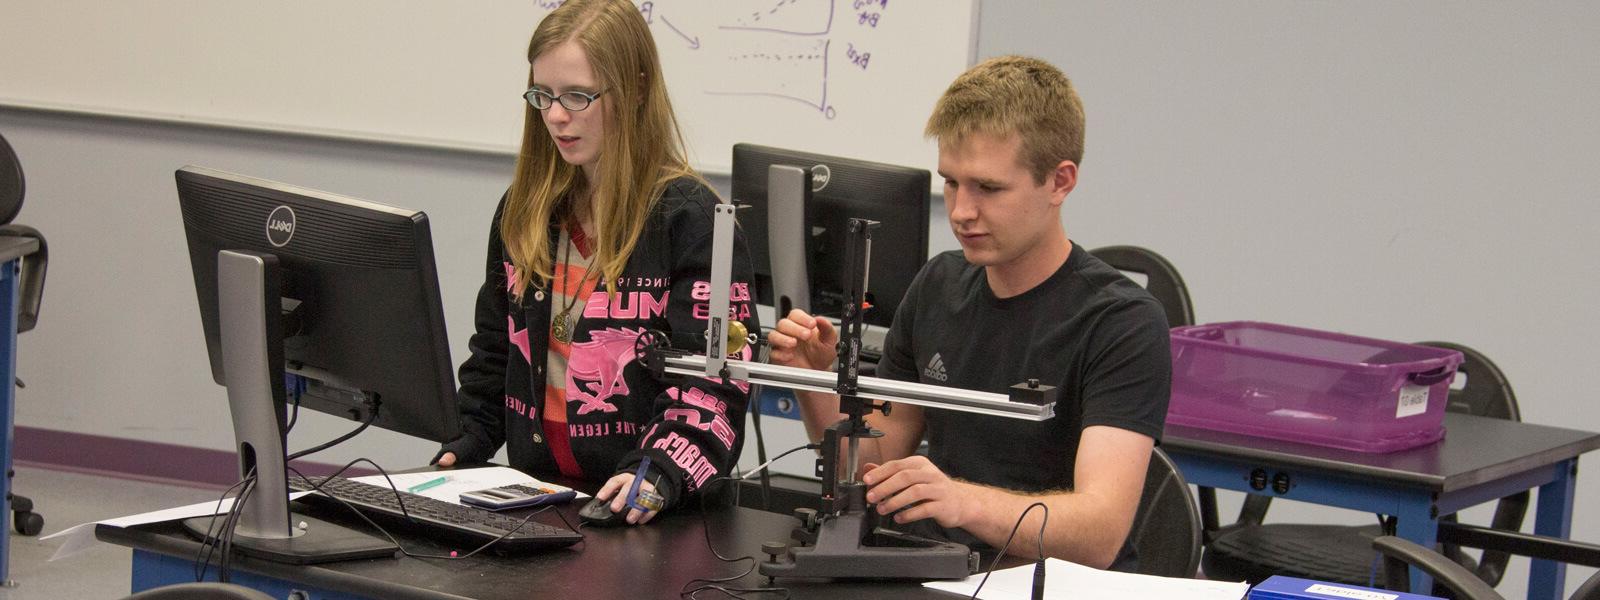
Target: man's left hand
pixel 915 483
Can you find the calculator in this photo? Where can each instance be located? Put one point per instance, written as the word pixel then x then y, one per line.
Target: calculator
pixel 516 496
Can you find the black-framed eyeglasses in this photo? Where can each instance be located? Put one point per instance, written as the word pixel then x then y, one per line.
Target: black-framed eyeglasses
pixel 573 101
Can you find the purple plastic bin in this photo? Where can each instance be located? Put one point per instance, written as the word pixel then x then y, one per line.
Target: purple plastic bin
pixel 1309 386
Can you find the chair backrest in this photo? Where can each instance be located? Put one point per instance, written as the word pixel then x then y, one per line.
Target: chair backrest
pixel 1162 279
pixel 200 591
pixel 11 184
pixel 1487 393
pixel 31 291
pixel 1588 590
pixel 1166 530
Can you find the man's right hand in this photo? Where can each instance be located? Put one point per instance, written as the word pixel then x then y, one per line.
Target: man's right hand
pixel 801 340
pixel 447 459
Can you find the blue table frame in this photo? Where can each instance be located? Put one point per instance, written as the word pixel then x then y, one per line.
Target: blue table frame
pixel 12 249
pixel 1480 460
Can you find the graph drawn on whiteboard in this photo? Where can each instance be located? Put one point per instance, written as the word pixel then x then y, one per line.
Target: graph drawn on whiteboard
pixel 781 52
pixel 798 73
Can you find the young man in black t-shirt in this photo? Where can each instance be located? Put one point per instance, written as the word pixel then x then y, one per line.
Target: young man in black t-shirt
pixel 1019 301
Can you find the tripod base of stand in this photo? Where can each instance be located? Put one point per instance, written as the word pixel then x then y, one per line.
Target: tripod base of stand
pixel 846 548
pixel 317 542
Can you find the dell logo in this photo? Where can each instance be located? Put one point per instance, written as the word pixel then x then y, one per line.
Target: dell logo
pixel 820 175
pixel 280 226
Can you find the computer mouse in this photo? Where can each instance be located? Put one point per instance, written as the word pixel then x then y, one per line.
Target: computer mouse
pixel 598 513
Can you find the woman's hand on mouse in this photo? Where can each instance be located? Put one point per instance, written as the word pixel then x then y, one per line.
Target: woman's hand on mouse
pixel 616 491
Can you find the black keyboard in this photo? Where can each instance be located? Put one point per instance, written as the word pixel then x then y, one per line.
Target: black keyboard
pixel 431 517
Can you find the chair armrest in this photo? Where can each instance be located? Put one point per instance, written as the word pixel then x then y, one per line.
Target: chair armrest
pixel 31 283
pixel 1590 590
pixel 1520 544
pixel 1399 553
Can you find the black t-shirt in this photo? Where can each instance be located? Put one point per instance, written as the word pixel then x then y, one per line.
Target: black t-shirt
pixel 1100 338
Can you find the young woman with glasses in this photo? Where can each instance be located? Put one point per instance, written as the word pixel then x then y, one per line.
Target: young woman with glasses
pixel 604 233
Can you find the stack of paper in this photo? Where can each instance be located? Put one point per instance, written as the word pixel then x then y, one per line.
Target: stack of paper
pixel 1071 581
pixel 81 537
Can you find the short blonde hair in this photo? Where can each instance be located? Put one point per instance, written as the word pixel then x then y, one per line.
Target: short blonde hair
pixel 1015 95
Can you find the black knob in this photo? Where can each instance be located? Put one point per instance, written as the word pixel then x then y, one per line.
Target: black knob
pixel 774 549
pixel 1280 483
pixel 1258 479
pixel 807 516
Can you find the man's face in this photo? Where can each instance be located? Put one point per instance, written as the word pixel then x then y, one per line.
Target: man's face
pixel 997 210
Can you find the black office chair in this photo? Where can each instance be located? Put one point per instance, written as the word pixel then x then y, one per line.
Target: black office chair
pixel 1460 582
pixel 1166 530
pixel 200 591
pixel 30 293
pixel 1162 279
pixel 1252 551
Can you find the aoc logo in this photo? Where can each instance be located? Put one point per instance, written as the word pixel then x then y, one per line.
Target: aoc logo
pixel 280 226
pixel 820 175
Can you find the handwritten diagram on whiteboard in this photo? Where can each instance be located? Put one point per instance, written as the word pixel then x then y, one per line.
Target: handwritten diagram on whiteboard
pixel 849 77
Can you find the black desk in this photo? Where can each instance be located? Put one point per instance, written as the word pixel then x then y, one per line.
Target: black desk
pixel 1480 460
pixel 653 561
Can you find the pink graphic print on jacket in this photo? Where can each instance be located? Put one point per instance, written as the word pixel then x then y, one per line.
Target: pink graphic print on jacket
pixel 594 371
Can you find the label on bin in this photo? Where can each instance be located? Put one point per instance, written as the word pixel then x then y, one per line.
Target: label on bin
pixel 1344 592
pixel 1413 401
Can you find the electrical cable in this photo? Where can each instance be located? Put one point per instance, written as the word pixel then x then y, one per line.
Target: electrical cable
pixel 1038 573
pixel 401 501
pixel 298 388
pixel 371 416
pixel 693 587
pixel 763 355
pixel 200 567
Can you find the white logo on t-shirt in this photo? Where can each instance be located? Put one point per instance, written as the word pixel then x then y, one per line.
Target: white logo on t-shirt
pixel 935 370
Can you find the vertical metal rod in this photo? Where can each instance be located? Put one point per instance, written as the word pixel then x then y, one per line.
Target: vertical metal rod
pixel 853 459
pixel 723 224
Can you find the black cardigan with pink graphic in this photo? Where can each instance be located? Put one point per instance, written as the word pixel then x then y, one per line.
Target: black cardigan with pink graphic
pixel 617 412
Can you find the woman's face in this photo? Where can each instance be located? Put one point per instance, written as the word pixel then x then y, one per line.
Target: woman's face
pixel 577 133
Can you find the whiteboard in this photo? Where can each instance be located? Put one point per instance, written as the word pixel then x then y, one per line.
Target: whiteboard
pixel 850 77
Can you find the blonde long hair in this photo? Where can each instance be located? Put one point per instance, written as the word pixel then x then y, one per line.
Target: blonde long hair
pixel 641 151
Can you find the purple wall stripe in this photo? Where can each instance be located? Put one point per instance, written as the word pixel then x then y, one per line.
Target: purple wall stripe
pixel 140 460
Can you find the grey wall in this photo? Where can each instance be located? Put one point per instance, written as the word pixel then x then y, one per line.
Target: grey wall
pixel 1407 171
pixel 1410 171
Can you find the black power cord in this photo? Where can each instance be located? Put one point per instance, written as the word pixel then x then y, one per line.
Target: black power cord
pixel 220 545
pixel 694 587
pixel 202 559
pixel 1038 567
pixel 401 501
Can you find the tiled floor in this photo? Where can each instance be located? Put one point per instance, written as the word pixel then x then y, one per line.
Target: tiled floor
pixel 67 499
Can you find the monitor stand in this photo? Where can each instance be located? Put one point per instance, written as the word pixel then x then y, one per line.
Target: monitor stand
pixel 249 307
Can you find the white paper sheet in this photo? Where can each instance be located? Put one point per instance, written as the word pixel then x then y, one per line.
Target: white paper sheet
pixel 1065 580
pixel 81 537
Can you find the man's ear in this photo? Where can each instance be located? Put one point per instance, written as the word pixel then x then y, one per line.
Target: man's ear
pixel 1062 180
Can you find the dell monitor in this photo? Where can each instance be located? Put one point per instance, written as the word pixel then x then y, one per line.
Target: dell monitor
pixel 338 291
pixel 839 189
